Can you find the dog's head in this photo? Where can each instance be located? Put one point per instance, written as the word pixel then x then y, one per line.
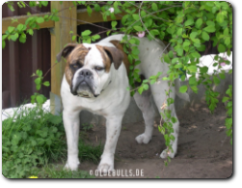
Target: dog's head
pixel 88 67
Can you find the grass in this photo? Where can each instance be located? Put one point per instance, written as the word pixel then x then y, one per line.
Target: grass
pixel 34 140
pixel 55 171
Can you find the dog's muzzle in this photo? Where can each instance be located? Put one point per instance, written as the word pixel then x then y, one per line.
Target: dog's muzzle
pixel 84 84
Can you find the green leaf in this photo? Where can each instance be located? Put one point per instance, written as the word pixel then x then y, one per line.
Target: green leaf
pixel 11 29
pixel 89 10
pixel 167 58
pixel 55 18
pixel 37 81
pixel 178 65
pixel 195 55
pixel 30 31
pixel 171 54
pixel 199 23
pixel 174 120
pixel 227 41
pixel 204 69
pixel 145 86
pixel 132 41
pixel 189 22
pixel 148 22
pixel 209 29
pixel 192 68
pixel 186 45
pixel 96 37
pixel 222 75
pixel 154 6
pixel 33 99
pixel 192 80
pixel 140 90
pixel 225 99
pixel 39 73
pixel 44 3
pixel 3 44
pixel 96 7
pixel 179 31
pixel 228 122
pixel 40 20
pixel 209 22
pixel 165 78
pixel 136 16
pixel 46 83
pixel 221 48
pixel 38 87
pixel 22 38
pixel 40 99
pixel 179 51
pixel 193 35
pixel 114 23
pixel 138 28
pixel 143 13
pixel 87 40
pixel 205 36
pixel 14 37
pixel 108 32
pixel 86 33
pixel 170 101
pixel 183 89
pixel 23 35
pixel 216 80
pixel 73 38
pixel 153 81
pixel 20 27
pixel 154 32
pixel 162 35
pixel 4 37
pixel 220 17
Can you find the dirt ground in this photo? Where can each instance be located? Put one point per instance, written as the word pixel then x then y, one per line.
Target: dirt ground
pixel 204 150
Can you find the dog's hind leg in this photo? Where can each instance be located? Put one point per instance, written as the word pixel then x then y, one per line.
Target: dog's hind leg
pixel 159 96
pixel 175 133
pixel 144 102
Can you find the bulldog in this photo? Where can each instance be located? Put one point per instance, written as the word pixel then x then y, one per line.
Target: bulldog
pixel 96 79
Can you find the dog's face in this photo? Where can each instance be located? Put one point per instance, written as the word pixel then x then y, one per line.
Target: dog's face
pixel 88 68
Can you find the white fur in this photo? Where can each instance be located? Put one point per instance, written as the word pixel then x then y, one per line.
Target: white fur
pixel 114 100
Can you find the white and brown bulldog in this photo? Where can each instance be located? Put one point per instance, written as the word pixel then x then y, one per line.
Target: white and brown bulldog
pixel 96 80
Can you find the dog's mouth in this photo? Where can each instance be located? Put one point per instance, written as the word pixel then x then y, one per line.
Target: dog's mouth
pixel 84 95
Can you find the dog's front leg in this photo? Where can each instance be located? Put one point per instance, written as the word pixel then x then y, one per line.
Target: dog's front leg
pixel 113 127
pixel 71 124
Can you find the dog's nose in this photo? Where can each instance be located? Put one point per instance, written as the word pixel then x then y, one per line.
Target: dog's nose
pixel 85 72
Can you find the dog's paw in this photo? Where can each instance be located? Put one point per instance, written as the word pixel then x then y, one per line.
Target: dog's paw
pixel 164 154
pixel 142 139
pixel 72 165
pixel 106 164
pixel 105 168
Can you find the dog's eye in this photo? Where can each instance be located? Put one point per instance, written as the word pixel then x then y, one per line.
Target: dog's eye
pixel 75 65
pixel 98 68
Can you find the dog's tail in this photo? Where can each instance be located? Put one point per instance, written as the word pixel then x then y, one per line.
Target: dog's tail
pixel 183 96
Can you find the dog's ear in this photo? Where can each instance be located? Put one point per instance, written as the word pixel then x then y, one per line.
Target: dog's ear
pixel 66 51
pixel 116 56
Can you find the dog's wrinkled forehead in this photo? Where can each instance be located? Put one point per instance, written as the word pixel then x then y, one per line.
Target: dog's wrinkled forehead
pixel 78 54
pixel 90 54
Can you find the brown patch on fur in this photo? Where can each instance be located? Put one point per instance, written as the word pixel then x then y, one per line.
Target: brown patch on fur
pixel 113 54
pixel 106 60
pixel 77 57
pixel 118 45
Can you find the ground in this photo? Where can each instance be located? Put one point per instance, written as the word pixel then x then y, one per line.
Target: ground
pixel 204 150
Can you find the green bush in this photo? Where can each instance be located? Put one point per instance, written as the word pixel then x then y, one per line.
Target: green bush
pixel 30 141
